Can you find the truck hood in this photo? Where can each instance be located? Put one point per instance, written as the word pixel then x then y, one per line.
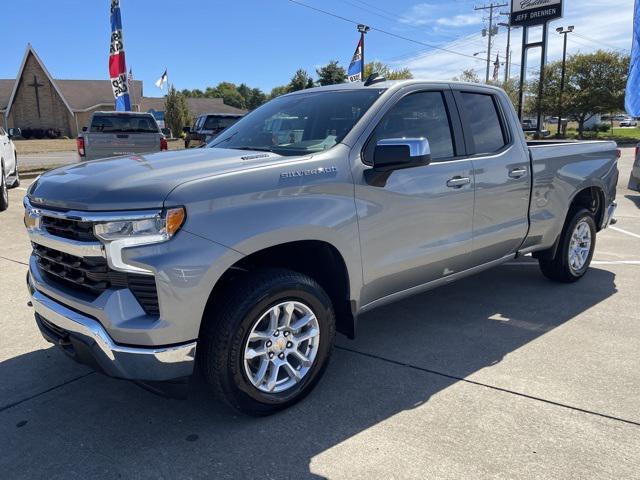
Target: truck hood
pixel 139 181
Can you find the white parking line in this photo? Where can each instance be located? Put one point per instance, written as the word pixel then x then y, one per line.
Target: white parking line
pixel 625 231
pixel 20 188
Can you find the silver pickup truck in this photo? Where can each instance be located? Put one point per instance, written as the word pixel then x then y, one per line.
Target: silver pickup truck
pixel 246 257
pixel 112 134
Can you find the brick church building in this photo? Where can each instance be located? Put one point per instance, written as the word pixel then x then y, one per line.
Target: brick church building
pixel 35 100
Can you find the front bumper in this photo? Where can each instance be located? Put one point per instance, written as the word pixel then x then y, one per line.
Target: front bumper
pixel 84 339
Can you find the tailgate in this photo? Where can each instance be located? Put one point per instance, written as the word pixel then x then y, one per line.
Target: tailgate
pixel 103 145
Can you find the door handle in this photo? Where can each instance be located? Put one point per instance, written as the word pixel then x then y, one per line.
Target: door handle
pixel 457 182
pixel 518 172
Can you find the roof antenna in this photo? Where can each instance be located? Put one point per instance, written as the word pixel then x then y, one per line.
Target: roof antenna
pixel 375 77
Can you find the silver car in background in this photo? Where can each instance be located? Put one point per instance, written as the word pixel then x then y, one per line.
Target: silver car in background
pixel 113 134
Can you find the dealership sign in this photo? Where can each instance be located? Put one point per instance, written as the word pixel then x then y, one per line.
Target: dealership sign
pixel 534 12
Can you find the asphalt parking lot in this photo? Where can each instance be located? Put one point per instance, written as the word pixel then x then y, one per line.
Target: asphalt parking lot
pixel 502 375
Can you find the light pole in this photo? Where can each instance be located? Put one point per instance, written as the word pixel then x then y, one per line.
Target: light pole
pixel 564 32
pixel 363 29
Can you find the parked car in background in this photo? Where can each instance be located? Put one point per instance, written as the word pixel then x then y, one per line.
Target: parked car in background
pixel 9 175
pixel 112 134
pixel 628 122
pixel 634 181
pixel 249 255
pixel 207 127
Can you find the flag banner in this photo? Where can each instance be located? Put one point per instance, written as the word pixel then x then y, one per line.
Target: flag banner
pixel 117 63
pixel 162 80
pixel 355 72
pixel 632 97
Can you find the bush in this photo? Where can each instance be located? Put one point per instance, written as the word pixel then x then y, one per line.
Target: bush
pixel 603 127
pixel 27 133
pixel 53 133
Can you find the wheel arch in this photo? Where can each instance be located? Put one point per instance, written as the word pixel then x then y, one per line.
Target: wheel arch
pixel 317 259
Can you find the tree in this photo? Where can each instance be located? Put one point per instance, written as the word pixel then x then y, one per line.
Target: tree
pixel 468 75
pixel 511 87
pixel 331 74
pixel 310 83
pixel 229 94
pixel 299 81
pixel 594 84
pixel 386 71
pixel 256 98
pixel 176 111
pixel 277 91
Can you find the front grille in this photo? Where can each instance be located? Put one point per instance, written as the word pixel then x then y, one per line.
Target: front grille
pixel 70 229
pixel 92 276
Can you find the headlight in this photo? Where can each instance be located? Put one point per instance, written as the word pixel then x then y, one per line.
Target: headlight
pixel 147 230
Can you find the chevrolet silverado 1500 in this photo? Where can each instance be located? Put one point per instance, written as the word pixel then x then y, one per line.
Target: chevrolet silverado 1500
pixel 246 257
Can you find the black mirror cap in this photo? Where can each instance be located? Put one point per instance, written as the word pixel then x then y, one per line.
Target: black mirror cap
pixel 186 129
pixel 396 157
pixel 84 129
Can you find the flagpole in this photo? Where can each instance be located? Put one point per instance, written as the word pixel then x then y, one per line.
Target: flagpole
pixel 363 29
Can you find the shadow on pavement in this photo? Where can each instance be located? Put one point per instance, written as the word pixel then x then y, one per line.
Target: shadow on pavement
pixel 634 198
pixel 97 426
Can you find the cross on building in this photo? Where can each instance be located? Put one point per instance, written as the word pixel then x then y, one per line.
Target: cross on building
pixel 35 86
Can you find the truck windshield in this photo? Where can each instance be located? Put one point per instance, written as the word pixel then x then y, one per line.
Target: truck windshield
pixel 123 124
pixel 299 124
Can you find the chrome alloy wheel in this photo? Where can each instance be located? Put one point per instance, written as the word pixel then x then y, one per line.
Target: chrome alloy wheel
pixel 281 347
pixel 580 246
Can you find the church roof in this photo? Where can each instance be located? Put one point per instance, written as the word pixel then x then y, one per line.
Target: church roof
pixel 84 95
pixel 197 106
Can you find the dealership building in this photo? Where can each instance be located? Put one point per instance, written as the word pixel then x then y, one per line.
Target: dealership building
pixel 35 100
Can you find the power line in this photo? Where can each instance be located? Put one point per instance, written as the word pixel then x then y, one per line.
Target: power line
pixel 599 42
pixel 390 34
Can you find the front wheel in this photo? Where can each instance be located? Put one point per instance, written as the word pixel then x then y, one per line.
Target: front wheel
pixel 268 341
pixel 575 250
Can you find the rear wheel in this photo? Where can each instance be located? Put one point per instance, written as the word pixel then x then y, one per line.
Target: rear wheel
pixel 4 193
pixel 267 343
pixel 575 250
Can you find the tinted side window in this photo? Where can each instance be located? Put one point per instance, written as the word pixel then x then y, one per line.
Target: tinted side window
pixel 483 119
pixel 422 114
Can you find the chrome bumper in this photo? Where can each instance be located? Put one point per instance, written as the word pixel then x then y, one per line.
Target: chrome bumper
pixel 131 363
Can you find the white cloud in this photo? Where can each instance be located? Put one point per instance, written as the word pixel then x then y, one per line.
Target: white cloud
pixel 460 20
pixel 420 14
pixel 598 24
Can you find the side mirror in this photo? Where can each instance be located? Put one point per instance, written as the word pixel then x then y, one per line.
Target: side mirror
pixel 84 129
pixel 14 132
pixel 186 129
pixel 397 153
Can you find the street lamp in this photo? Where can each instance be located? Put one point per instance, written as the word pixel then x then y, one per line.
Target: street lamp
pixel 478 53
pixel 564 32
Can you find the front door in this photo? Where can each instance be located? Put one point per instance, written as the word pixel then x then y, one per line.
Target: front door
pixel 417 226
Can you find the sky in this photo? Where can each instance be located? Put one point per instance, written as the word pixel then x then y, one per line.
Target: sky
pixel 263 42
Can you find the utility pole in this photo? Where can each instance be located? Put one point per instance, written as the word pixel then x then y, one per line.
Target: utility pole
pixel 490 33
pixel 507 25
pixel 564 32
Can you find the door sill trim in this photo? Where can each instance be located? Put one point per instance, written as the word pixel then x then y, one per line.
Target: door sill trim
pixel 434 283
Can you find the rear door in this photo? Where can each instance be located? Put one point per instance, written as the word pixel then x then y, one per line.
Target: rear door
pixel 502 175
pixel 416 227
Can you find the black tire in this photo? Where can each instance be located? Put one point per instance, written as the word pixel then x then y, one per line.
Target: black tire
pixel 16 175
pixel 228 323
pixel 559 268
pixel 4 193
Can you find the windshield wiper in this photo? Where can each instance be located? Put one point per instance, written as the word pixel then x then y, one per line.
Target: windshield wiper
pixel 257 149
